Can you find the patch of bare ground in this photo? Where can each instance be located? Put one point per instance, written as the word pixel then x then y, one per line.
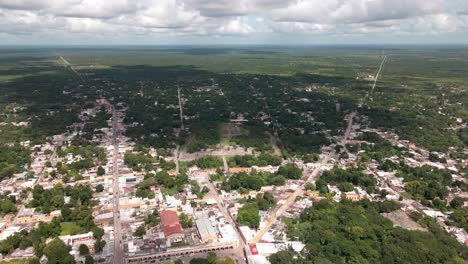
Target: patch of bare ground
pixel 275 144
pixel 231 130
pixel 224 151
pixel 401 219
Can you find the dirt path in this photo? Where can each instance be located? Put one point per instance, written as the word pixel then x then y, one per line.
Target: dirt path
pixel 225 151
pixel 176 159
pixel 274 144
pixel 71 68
pixel 181 111
pixel 378 73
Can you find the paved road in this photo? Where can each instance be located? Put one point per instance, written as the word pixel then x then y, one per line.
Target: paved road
pixel 239 251
pixel 348 128
pixel 118 251
pixel 291 199
pixel 312 176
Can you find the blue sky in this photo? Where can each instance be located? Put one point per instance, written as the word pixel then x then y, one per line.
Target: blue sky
pixel 184 22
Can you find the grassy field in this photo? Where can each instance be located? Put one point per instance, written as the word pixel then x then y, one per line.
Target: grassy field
pixel 278 61
pixel 69 228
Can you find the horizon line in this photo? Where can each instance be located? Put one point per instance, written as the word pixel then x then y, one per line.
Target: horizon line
pixel 234 44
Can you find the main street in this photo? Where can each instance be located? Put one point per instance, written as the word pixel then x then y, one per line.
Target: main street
pixel 118 252
pixel 348 128
pixel 237 253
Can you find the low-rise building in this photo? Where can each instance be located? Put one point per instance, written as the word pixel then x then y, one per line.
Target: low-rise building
pixel 353 196
pixel 312 194
pixel 205 230
pixel 76 240
pixel 171 227
pixel 29 216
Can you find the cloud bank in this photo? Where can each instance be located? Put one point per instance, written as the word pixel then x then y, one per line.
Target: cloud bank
pixel 240 20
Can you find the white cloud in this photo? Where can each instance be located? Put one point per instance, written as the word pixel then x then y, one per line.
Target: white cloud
pixel 229 17
pixel 341 11
pixel 163 14
pixel 24 4
pixel 464 8
pixel 26 22
pixel 88 25
pixel 221 8
pixel 300 27
pixel 235 26
pixel 92 8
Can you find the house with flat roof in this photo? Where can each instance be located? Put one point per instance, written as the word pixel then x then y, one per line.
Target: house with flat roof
pixel 353 196
pixel 205 230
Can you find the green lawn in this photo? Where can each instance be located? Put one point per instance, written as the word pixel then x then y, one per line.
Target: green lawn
pixel 69 228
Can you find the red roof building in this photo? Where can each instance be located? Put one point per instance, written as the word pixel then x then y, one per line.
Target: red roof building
pixel 253 249
pixel 171 226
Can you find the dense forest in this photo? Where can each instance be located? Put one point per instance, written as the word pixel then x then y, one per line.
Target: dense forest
pixel 254 180
pixel 13 159
pixel 341 178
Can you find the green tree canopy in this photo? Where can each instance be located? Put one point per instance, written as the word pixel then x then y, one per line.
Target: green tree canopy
pixel 249 215
pixel 57 252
